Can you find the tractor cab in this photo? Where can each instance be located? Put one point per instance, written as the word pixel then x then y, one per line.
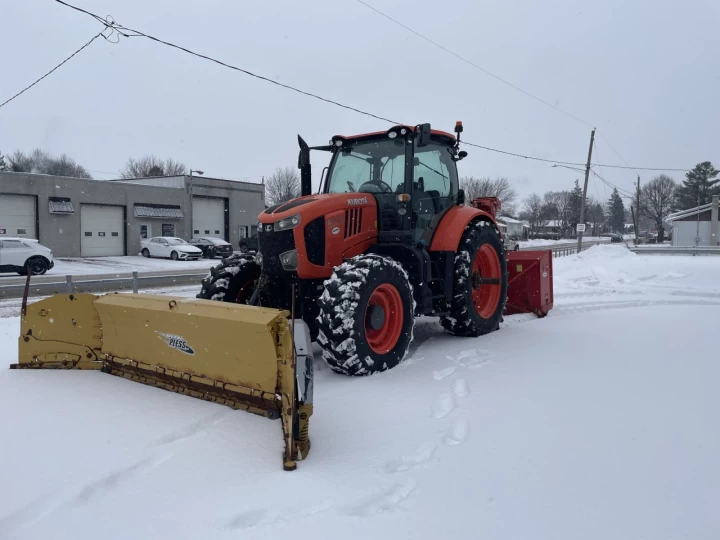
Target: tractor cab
pixel 410 171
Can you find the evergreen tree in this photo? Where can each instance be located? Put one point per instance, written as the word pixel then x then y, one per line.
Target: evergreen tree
pixel 616 212
pixel 3 165
pixel 575 198
pixel 699 186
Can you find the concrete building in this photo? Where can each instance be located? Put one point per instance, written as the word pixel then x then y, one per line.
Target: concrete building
pixel 696 226
pixel 89 218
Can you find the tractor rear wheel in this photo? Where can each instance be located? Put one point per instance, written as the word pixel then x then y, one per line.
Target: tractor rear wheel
pixel 233 280
pixel 366 316
pixel 480 286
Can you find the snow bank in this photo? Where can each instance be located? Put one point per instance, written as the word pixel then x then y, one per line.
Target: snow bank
pixel 596 422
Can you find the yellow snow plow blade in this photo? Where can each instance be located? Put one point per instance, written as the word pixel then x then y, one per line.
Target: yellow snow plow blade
pixel 237 355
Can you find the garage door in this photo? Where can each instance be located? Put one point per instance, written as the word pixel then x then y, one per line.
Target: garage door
pixel 208 217
pixel 102 230
pixel 17 216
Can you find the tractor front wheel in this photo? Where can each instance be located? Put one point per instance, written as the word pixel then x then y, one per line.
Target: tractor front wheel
pixel 233 280
pixel 480 282
pixel 366 316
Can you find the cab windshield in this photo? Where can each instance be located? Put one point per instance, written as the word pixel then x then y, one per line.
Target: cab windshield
pixel 376 166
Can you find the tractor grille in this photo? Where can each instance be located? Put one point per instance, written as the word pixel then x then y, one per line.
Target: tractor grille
pixel 271 244
pixel 353 221
pixel 315 241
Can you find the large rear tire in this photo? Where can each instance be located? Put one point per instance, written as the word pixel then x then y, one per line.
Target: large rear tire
pixel 366 316
pixel 480 286
pixel 233 280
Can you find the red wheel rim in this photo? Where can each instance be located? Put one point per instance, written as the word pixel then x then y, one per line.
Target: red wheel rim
pixel 245 292
pixel 386 297
pixel 485 281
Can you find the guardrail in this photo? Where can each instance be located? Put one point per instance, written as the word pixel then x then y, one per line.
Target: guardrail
pixel 562 250
pixel 676 250
pixel 88 284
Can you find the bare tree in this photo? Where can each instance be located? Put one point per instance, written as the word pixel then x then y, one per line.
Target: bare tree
pixel 657 199
pixel 151 165
pixel 535 212
pixel 595 214
pixel 282 185
pixel 485 186
pixel 562 205
pixel 41 162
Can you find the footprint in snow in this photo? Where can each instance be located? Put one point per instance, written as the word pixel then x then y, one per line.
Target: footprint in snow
pixel 440 374
pixel 461 388
pixel 458 433
pixel 256 518
pixel 473 357
pixel 422 457
pixel 443 405
pixel 384 501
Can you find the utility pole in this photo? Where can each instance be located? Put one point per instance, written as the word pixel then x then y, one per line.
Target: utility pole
pixel 637 212
pixel 582 202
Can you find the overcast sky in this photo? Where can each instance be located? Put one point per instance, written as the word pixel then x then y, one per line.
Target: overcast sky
pixel 645 72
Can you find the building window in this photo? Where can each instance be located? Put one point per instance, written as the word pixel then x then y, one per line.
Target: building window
pixel 217 232
pixel 22 231
pixel 143 231
pixel 207 232
pixel 60 205
pixel 168 229
pixel 88 233
pixel 243 231
pixel 114 234
pixel 196 231
pixel 101 234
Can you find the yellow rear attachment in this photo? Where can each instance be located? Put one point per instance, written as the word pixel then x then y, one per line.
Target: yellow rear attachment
pixel 237 355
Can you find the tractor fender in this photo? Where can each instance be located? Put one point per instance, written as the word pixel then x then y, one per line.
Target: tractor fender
pixel 452 226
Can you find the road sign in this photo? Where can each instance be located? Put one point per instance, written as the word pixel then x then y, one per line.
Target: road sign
pixel 580 227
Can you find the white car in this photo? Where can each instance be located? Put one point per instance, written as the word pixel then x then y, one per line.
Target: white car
pixel 170 247
pixel 17 254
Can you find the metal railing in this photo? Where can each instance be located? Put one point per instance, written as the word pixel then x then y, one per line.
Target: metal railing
pixel 89 284
pixel 563 250
pixel 676 250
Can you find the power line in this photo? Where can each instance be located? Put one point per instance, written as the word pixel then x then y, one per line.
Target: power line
pixel 125 31
pixel 51 71
pixel 453 53
pixel 137 33
pixel 456 55
pixel 521 155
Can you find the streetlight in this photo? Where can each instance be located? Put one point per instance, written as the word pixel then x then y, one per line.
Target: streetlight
pixel 191 198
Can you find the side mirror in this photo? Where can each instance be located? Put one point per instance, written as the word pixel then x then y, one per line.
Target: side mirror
pixel 461 197
pixel 423 135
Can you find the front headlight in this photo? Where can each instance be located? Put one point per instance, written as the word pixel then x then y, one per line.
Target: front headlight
pixel 259 258
pixel 287 223
pixel 289 260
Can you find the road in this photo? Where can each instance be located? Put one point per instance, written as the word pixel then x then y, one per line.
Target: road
pixel 13 286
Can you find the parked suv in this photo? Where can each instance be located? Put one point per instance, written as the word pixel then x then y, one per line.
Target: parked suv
pixel 17 254
pixel 248 244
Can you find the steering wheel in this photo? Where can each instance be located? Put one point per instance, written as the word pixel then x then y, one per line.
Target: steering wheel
pixel 375 187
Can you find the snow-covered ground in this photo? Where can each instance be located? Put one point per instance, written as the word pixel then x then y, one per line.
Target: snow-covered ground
pixel 597 422
pixel 120 265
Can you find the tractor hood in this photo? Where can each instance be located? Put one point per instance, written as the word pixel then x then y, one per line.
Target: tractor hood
pixel 313 206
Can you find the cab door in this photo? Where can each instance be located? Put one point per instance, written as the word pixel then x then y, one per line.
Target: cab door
pixel 435 188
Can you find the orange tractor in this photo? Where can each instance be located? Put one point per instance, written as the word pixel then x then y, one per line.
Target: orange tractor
pixel 387 238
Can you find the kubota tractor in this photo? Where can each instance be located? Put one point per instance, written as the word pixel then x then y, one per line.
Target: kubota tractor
pixel 387 238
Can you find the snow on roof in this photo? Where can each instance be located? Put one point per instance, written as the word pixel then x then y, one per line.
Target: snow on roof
pixel 689 212
pixel 506 219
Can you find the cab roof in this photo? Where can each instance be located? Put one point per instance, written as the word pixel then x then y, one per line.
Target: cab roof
pixel 374 134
